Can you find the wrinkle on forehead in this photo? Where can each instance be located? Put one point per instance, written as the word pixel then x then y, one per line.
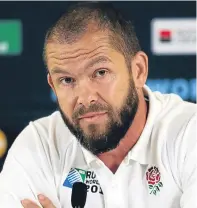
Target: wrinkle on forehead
pixel 86 60
pixel 62 54
pixel 89 42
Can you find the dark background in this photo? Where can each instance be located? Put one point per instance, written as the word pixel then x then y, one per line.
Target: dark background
pixel 24 93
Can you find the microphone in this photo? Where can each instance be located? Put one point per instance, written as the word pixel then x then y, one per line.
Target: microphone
pixel 79 194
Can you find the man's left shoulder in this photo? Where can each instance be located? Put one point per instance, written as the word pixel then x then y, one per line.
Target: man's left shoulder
pixel 176 114
pixel 175 123
pixel 179 127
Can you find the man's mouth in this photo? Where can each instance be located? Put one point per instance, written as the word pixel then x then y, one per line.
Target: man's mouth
pixel 92 116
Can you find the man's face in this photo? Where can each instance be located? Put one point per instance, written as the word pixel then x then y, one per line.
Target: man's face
pixel 95 91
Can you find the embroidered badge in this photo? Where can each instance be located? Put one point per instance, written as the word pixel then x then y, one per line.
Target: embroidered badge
pixel 153 178
pixel 75 175
pixel 85 176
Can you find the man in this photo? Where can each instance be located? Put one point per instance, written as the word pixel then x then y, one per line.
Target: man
pixel 130 146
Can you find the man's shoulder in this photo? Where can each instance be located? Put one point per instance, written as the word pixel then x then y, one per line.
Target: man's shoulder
pixel 45 132
pixel 48 125
pixel 176 124
pixel 174 111
pixel 53 121
pixel 46 120
pixel 169 109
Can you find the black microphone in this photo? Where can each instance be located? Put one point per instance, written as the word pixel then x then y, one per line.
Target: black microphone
pixel 79 194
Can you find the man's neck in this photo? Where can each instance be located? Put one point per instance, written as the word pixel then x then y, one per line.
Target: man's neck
pixel 113 158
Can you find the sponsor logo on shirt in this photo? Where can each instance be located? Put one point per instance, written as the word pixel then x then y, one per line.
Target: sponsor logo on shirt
pixel 84 176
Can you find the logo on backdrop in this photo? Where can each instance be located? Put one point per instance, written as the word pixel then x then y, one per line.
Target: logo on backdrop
pixel 84 176
pixel 173 36
pixel 10 37
pixel 3 144
pixel 186 89
pixel 165 35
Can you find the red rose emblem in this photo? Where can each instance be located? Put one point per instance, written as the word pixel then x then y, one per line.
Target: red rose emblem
pixel 153 179
pixel 153 175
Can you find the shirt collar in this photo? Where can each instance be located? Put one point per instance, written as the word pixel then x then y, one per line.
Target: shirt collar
pixel 89 157
pixel 141 151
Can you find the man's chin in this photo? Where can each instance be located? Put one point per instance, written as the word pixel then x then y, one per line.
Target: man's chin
pixel 94 130
pixel 93 135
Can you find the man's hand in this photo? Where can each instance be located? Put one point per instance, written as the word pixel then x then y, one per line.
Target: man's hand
pixel 44 201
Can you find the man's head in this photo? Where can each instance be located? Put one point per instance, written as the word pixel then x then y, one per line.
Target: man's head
pixel 95 66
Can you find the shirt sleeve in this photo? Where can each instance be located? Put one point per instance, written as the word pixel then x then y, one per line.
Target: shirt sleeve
pixel 188 170
pixel 27 171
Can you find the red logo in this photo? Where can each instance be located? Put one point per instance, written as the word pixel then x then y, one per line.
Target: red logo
pixel 165 35
pixel 153 177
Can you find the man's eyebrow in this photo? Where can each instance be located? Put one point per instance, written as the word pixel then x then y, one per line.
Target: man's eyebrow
pixel 58 71
pixel 97 60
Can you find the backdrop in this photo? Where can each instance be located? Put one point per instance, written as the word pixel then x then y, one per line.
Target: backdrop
pixel 166 31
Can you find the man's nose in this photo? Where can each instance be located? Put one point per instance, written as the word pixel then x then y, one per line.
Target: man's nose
pixel 86 94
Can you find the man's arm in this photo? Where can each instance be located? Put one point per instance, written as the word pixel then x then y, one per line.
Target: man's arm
pixel 27 172
pixel 188 170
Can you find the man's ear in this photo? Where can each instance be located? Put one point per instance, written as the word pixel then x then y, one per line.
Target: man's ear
pixel 50 82
pixel 139 66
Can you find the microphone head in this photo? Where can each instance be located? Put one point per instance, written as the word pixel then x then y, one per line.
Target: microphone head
pixel 79 194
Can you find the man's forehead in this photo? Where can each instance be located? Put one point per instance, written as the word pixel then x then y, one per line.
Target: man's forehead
pixel 85 48
pixel 90 63
pixel 62 53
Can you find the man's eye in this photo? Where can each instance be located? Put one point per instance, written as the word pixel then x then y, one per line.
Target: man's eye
pixel 67 80
pixel 100 73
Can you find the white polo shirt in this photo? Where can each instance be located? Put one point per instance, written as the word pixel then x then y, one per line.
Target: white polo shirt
pixel 159 171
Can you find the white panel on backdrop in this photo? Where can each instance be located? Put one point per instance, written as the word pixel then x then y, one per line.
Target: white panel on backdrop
pixel 173 36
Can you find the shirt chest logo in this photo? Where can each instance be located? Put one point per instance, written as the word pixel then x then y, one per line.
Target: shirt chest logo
pixel 153 177
pixel 84 176
pixel 75 175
